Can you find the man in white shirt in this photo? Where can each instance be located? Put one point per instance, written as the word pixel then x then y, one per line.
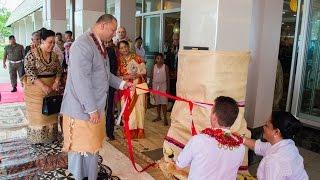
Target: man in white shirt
pixel 216 153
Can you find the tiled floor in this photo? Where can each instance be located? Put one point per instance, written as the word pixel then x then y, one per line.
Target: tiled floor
pixel 121 167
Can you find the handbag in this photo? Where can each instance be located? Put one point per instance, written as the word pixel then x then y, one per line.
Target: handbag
pixel 51 104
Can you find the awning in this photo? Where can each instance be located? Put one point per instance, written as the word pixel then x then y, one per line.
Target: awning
pixel 24 9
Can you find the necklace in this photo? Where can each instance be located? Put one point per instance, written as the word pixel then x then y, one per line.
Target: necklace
pixel 102 52
pixel 225 139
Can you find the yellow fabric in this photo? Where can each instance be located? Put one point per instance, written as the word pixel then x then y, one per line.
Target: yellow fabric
pixel 83 136
pixel 33 96
pixel 143 86
pixel 203 76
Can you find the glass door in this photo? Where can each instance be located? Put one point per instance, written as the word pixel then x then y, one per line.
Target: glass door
pixel 151 39
pixel 306 97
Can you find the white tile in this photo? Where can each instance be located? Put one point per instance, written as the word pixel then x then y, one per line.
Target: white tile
pixel 120 164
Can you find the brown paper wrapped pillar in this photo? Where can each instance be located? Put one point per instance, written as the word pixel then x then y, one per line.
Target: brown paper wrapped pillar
pixel 203 76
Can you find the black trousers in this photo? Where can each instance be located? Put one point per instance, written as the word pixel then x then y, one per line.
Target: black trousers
pixel 110 113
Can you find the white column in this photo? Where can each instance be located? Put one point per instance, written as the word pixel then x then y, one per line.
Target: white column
pixel 264 45
pixel 37 20
pixel 22 33
pixel 86 13
pixel 54 15
pixel 16 30
pixel 29 29
pixel 125 12
pixel 233 25
pixel 221 24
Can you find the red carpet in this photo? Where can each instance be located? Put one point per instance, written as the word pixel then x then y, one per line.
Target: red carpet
pixel 7 96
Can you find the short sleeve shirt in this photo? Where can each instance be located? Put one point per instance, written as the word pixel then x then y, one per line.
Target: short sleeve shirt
pixel 14 52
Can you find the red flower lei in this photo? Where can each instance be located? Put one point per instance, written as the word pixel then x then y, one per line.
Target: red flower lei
pixel 103 53
pixel 226 140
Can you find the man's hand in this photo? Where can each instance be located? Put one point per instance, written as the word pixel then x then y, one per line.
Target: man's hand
pixel 95 117
pixel 128 85
pixel 4 65
pixel 46 89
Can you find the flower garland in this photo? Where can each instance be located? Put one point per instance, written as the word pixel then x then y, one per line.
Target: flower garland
pixel 102 52
pixel 225 139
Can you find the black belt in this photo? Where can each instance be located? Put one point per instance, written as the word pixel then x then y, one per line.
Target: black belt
pixel 46 76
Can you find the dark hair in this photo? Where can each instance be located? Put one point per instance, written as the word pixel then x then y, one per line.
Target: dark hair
pixel 58 34
pixel 286 123
pixel 11 37
pixel 226 109
pixel 69 33
pixel 123 42
pixel 106 18
pixel 139 38
pixel 158 54
pixel 45 33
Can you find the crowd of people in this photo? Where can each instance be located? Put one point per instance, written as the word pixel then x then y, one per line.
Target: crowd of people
pixel 91 70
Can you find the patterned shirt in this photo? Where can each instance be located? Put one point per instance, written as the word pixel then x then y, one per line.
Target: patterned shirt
pixel 35 64
pixel 14 52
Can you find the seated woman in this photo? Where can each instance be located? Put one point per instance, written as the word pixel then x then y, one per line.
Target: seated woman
pixel 281 158
pixel 131 68
pixel 43 72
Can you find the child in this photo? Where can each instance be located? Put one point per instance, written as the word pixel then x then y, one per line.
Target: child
pixel 160 82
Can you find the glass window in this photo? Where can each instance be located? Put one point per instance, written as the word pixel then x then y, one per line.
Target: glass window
pixel 171 26
pixel 110 7
pixel 138 26
pixel 286 48
pixel 310 101
pixel 138 6
pixel 171 4
pixel 151 5
pixel 151 39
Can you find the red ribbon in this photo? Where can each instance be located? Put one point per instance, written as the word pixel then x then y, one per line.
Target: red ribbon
pixel 126 115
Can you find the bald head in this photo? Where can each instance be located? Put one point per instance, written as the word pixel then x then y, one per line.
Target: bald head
pixel 105 27
pixel 106 18
pixel 121 32
pixel 175 39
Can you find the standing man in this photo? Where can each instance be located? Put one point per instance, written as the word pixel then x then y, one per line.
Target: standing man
pixel 122 36
pixel 68 36
pixel 110 121
pixel 85 97
pixel 14 53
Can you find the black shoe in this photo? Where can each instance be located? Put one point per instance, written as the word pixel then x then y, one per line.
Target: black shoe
pixel 14 89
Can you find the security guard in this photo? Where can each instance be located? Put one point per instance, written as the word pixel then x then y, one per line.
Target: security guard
pixel 14 53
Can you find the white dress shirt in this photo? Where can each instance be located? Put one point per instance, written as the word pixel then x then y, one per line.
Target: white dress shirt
pixel 208 161
pixel 281 161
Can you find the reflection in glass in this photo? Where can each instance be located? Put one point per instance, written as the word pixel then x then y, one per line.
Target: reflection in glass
pixel 151 39
pixel 110 7
pixel 138 6
pixel 151 5
pixel 171 4
pixel 138 26
pixel 310 97
pixel 171 26
pixel 286 47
